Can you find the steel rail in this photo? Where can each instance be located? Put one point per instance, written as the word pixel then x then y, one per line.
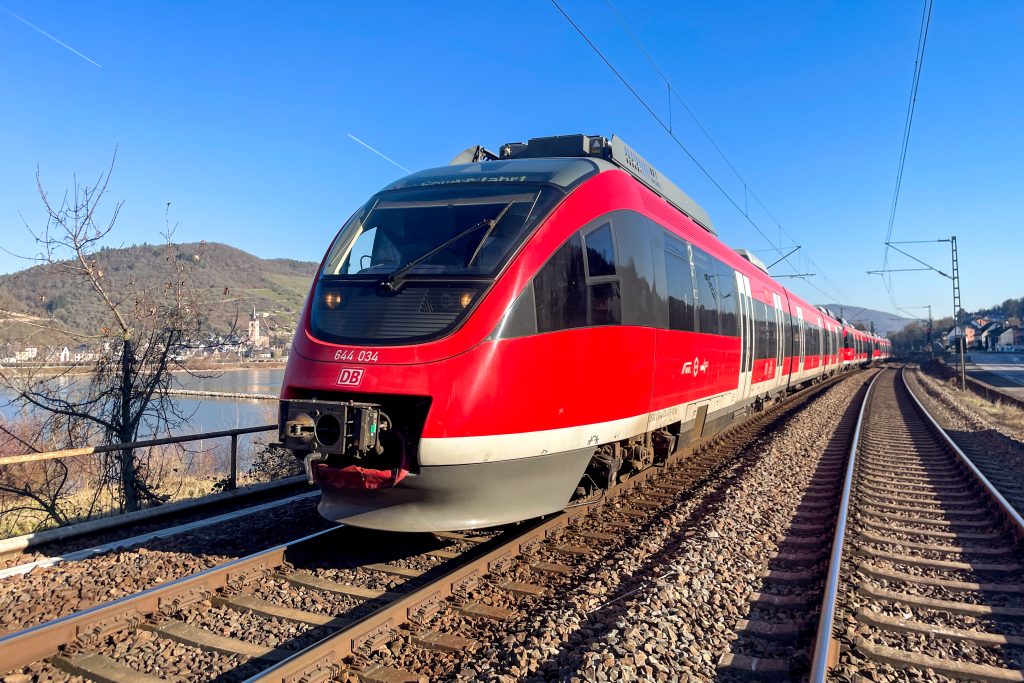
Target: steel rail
pixel 167 532
pixel 17 544
pixel 22 648
pixel 820 662
pixel 321 660
pixel 823 640
pixel 992 491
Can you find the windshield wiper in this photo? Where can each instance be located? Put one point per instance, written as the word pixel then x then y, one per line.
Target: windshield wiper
pixel 394 281
pixel 490 229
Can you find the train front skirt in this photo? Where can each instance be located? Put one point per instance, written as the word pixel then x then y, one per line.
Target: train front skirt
pixel 465 496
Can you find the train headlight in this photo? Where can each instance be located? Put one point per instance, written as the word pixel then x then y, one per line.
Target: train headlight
pixel 466 298
pixel 332 299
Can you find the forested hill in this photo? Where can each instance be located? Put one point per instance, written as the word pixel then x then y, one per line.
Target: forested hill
pixel 1011 309
pixel 883 322
pixel 223 274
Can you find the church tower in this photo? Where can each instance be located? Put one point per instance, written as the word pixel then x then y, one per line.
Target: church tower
pixel 255 335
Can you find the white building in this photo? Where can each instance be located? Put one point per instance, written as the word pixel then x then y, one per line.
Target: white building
pixel 257 338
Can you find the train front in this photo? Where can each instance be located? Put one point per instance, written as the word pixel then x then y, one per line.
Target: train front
pixel 390 391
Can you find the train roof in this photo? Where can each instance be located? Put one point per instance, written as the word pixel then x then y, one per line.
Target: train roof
pixel 565 173
pixel 563 160
pixel 616 152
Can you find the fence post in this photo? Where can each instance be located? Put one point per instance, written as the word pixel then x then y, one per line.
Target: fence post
pixel 233 476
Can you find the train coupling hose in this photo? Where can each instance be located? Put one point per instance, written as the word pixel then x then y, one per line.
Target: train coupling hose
pixel 308 463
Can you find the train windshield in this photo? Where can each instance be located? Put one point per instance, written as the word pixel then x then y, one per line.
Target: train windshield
pixel 409 265
pixel 436 231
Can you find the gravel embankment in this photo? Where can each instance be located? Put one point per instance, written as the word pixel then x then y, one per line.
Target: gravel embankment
pixel 48 593
pixel 665 606
pixel 157 655
pixel 967 410
pixel 991 444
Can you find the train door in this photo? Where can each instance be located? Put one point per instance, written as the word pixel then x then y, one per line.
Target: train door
pixel 833 357
pixel 822 347
pixel 800 351
pixel 780 330
pixel 839 351
pixel 826 346
pixel 746 336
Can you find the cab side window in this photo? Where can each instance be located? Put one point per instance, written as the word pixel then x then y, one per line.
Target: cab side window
pixel 560 289
pixel 600 251
pixel 603 290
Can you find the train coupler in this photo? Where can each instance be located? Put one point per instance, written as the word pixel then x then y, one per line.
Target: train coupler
pixel 333 428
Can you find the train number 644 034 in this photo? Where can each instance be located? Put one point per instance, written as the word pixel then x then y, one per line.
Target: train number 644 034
pixel 358 356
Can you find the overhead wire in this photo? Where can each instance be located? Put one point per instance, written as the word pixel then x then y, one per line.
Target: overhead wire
pixel 922 41
pixel 669 130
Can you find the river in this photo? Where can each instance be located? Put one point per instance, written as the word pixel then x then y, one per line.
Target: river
pixel 208 414
pixel 212 414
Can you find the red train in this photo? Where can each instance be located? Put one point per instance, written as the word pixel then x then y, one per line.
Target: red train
pixel 487 340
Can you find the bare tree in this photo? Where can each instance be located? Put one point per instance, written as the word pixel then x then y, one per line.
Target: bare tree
pixel 145 333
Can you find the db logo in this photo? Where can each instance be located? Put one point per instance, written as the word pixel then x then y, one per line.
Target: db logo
pixel 350 377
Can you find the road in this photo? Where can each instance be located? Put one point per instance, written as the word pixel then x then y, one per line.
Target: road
pixel 1002 370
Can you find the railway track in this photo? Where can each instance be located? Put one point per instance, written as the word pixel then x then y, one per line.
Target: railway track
pixel 777 633
pixel 320 608
pixel 166 532
pixel 926 580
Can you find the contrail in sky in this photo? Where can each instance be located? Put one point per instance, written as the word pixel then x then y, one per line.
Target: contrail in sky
pixel 39 30
pixel 380 154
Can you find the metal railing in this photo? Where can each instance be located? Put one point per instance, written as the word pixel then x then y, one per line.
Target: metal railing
pixel 108 448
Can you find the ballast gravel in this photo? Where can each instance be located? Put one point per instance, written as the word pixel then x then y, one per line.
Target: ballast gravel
pixel 63 547
pixel 50 592
pixel 995 446
pixel 665 608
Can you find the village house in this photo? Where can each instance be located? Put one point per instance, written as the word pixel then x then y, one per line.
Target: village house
pixel 954 335
pixel 1011 337
pixel 986 337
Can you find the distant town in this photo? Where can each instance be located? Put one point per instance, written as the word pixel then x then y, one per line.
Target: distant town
pixel 260 344
pixel 993 332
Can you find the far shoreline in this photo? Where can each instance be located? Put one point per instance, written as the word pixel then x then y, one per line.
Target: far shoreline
pixel 58 370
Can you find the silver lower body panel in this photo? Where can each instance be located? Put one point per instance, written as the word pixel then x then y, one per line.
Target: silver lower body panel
pixel 453 497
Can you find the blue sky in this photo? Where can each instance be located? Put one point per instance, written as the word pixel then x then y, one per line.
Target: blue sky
pixel 239 114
